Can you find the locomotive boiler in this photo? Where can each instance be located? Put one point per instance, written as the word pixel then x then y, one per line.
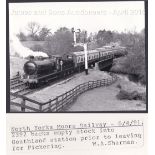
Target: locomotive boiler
pixel 42 71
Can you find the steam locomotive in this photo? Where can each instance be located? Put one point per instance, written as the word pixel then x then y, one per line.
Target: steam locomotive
pixel 37 72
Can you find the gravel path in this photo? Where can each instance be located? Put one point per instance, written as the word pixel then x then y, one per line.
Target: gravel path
pixel 59 88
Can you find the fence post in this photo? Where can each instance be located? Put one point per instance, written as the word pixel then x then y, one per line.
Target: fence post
pixel 62 101
pixel 49 108
pixel 72 94
pixel 74 90
pixel 94 84
pixel 88 86
pixel 56 108
pixel 83 87
pixel 23 105
pixel 77 88
pixel 104 82
pixel 40 107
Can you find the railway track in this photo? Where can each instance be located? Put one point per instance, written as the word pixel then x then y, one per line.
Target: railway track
pixel 18 87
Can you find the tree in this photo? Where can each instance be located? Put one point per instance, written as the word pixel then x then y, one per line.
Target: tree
pixel 134 62
pixel 33 28
pixel 83 36
pixel 22 36
pixel 104 37
pixel 61 42
pixel 44 33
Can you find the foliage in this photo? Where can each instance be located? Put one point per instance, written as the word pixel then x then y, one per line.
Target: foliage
pixel 22 36
pixel 61 42
pixel 35 33
pixel 134 95
pixel 134 63
pixel 78 48
pixel 44 33
pixel 37 47
pixel 104 37
pixel 82 36
pixel 33 28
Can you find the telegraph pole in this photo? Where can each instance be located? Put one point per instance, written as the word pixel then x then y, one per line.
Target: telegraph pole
pixel 84 44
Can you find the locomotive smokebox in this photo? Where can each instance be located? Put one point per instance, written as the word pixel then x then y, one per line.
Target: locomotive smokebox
pixel 30 68
pixel 39 67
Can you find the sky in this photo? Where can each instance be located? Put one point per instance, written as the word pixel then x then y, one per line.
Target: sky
pixel 90 16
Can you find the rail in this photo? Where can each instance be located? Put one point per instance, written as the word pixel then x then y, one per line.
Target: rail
pixel 61 102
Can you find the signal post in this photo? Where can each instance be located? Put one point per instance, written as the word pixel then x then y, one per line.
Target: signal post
pixel 86 58
pixel 84 45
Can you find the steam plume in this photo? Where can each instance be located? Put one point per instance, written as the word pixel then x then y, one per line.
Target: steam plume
pixel 17 49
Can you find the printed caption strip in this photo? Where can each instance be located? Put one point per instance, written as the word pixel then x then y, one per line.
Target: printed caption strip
pixel 49 136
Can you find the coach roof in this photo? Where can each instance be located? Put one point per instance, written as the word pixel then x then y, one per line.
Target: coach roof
pixel 82 52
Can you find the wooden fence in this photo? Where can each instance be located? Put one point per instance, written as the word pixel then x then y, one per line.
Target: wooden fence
pixel 60 102
pixel 22 103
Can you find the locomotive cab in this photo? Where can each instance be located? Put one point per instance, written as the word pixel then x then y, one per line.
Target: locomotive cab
pixel 63 62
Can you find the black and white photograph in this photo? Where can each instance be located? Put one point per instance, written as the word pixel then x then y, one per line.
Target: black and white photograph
pixel 77 57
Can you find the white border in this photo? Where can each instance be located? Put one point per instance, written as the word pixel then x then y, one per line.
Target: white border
pixel 151 79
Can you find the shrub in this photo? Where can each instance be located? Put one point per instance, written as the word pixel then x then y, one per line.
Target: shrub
pixel 119 86
pixel 134 95
pixel 37 48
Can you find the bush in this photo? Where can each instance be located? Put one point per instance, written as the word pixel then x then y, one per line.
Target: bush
pixel 119 86
pixel 134 63
pixel 134 95
pixel 37 48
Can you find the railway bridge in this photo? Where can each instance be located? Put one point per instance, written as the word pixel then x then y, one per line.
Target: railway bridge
pixel 104 64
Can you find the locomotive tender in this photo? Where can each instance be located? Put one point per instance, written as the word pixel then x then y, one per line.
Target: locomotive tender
pixel 43 71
